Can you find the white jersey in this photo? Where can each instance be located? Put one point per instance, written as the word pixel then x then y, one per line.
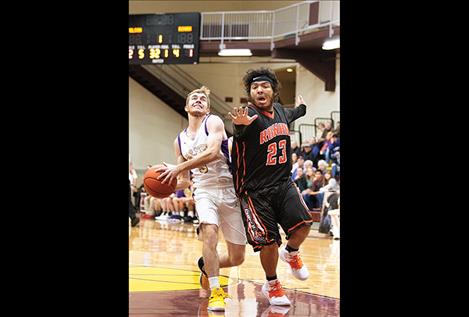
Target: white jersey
pixel 213 174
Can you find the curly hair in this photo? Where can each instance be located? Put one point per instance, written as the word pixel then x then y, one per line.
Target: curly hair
pixel 202 90
pixel 267 72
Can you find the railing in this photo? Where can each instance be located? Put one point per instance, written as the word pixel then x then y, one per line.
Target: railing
pixel 236 25
pixel 317 121
pixel 285 22
pixel 335 117
pixel 307 131
pixel 183 83
pixel 295 135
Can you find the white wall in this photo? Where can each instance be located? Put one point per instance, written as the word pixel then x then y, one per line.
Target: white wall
pixel 225 80
pixel 319 102
pixel 153 126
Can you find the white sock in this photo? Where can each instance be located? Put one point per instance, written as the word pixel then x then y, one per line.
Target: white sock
pixel 214 283
pixel 190 214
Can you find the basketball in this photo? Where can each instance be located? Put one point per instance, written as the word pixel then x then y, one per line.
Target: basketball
pixel 154 187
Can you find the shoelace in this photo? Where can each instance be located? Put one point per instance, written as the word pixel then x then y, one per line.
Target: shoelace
pixel 276 290
pixel 295 262
pixel 225 295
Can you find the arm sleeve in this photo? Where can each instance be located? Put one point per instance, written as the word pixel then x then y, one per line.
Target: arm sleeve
pixel 295 113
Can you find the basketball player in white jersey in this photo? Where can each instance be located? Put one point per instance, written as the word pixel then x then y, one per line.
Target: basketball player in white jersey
pixel 202 148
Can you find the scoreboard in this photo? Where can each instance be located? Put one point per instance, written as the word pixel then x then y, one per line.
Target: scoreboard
pixel 170 38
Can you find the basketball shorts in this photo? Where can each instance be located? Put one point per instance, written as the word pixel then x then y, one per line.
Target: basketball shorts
pixel 220 206
pixel 263 210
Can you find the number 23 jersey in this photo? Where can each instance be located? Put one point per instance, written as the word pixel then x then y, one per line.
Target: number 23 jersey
pixel 261 152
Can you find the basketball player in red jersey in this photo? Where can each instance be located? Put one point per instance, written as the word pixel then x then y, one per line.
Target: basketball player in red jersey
pixel 261 164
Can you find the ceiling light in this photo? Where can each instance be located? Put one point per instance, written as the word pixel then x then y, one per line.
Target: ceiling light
pixel 331 43
pixel 289 70
pixel 235 52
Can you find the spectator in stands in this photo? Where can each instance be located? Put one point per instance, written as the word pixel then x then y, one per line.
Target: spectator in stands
pixel 334 155
pixel 331 187
pixel 337 130
pixel 335 169
pixel 334 144
pixel 300 180
pixel 138 196
pixel 322 166
pixel 152 206
pixel 333 203
pixel 324 152
pixel 133 179
pixel 309 194
pixel 295 148
pixel 309 176
pixel 334 147
pixel 299 163
pixel 315 149
pixel 327 129
pixel 320 129
pixel 294 159
pixel 177 201
pixel 134 220
pixel 188 205
pixel 327 177
pixel 167 208
pixel 308 164
pixel 307 151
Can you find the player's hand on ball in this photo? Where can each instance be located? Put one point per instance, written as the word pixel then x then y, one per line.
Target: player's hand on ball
pixel 159 168
pixel 240 116
pixel 169 172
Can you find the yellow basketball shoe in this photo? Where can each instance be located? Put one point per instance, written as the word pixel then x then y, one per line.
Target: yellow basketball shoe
pixel 216 302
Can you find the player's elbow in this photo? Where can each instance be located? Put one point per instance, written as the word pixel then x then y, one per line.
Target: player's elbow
pixel 212 154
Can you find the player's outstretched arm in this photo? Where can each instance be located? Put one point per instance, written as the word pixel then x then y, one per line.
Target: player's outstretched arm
pixel 298 111
pixel 240 116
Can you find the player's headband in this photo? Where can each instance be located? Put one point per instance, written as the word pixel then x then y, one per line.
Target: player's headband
pixel 262 78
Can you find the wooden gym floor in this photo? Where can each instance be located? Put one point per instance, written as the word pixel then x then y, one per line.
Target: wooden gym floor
pixel 164 276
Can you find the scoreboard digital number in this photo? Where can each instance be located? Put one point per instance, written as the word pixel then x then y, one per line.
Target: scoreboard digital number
pixel 170 38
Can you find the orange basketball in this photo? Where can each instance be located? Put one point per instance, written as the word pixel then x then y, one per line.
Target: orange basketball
pixel 154 187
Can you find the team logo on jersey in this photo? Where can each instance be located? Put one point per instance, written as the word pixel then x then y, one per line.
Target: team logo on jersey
pixel 273 131
pixel 196 150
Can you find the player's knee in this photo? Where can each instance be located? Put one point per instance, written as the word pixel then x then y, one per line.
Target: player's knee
pixel 237 259
pixel 209 233
pixel 301 230
pixel 305 229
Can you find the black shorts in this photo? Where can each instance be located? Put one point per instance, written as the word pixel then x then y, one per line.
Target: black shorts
pixel 265 209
